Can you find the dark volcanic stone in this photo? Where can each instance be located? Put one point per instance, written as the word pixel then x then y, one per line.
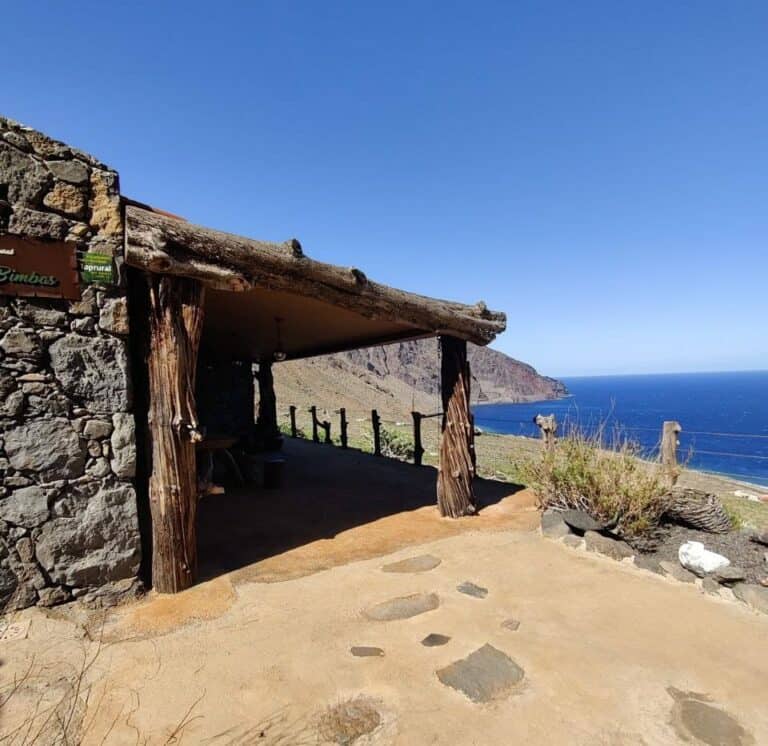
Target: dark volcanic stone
pixel 614 548
pixel 422 563
pixel 365 651
pixel 511 624
pixel 483 675
pixel 470 589
pixel 403 607
pixel 580 522
pixel 760 538
pixel 433 640
pixel 729 574
pixel 552 525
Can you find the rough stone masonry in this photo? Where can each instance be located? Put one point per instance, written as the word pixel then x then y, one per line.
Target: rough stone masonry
pixel 68 521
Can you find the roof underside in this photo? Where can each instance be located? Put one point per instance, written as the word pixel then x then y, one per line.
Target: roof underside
pixel 255 324
pixel 264 297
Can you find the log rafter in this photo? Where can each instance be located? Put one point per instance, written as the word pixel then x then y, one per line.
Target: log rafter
pixel 166 245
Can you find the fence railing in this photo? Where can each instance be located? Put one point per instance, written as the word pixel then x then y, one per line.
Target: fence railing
pixel 548 427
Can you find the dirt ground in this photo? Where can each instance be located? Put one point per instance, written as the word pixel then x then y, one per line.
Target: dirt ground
pixel 260 653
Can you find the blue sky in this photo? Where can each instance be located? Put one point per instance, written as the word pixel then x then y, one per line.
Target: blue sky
pixel 598 170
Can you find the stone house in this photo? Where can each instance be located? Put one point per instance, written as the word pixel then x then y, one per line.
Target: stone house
pixel 104 304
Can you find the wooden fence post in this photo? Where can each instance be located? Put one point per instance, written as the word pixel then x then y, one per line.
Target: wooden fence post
pixel 376 423
pixel 343 431
pixel 669 443
pixel 326 430
pixel 547 424
pixel 315 434
pixel 418 449
pixel 294 430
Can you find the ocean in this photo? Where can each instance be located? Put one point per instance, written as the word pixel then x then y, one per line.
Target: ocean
pixel 724 416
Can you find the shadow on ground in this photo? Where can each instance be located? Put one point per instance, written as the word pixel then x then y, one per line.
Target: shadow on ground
pixel 327 492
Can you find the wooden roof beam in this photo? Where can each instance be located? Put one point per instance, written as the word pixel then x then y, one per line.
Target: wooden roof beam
pixel 162 244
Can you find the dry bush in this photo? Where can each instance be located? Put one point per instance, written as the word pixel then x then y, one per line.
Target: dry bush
pixel 349 720
pixel 606 477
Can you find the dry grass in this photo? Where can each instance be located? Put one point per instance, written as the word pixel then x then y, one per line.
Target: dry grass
pixel 350 719
pixel 609 480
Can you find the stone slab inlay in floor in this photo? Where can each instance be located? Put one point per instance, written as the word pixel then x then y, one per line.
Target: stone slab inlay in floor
pixel 403 607
pixel 422 563
pixel 484 675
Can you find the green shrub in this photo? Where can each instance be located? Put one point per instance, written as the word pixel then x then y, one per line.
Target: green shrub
pixel 395 443
pixel 608 481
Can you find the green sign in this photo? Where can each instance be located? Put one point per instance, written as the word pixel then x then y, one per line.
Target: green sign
pixel 97 268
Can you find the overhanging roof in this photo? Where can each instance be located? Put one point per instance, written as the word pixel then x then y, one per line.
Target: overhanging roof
pixel 320 307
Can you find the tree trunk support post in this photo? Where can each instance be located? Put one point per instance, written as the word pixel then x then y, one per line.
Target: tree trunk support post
pixel 418 449
pixel 267 418
pixel 547 425
pixel 376 424
pixel 343 427
pixel 294 429
pixel 315 433
pixel 669 442
pixel 175 327
pixel 455 496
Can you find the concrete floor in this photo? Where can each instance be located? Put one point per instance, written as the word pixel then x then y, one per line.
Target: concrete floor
pixel 611 654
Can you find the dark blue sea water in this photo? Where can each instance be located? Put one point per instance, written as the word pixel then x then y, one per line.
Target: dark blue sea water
pixel 724 415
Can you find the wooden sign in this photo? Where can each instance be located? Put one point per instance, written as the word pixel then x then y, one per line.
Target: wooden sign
pixel 43 269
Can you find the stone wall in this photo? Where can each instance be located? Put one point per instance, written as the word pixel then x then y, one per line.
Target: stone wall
pixel 68 519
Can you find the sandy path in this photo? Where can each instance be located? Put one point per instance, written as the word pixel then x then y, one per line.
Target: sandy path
pixel 600 643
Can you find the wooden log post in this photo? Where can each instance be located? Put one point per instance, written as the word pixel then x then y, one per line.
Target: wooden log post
pixel 547 425
pixel 418 448
pixel 175 326
pixel 326 431
pixel 315 433
pixel 376 425
pixel 669 442
pixel 455 496
pixel 292 414
pixel 343 427
pixel 267 417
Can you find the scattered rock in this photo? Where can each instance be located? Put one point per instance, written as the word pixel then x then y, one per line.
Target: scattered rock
pixel 754 596
pixel 581 522
pixel 52 596
pixel 37 224
pixel 614 548
pixel 435 640
pixel 422 563
pixel 694 557
pixel 403 607
pixel 760 538
pixel 40 312
pixel 573 541
pixel 511 624
pixel 647 562
pixel 484 675
pixel 553 525
pixel 729 574
pixel 674 570
pixel 364 651
pixel 470 589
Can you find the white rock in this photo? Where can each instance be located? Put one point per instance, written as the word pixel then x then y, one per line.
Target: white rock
pixel 694 557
